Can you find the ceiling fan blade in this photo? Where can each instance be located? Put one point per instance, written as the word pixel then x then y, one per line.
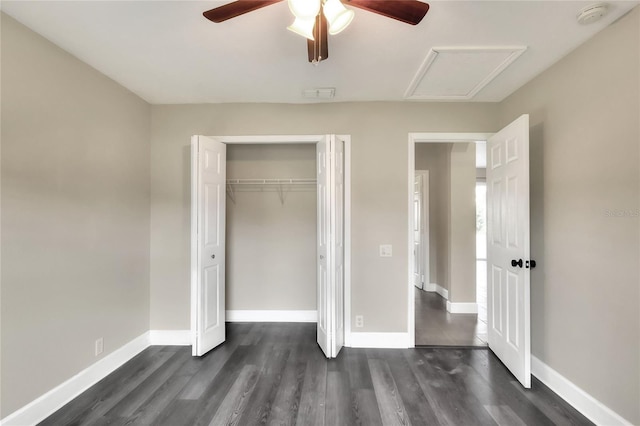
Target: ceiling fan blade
pixel 236 8
pixel 318 49
pixel 409 11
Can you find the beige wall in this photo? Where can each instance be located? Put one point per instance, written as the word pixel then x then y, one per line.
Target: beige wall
pixel 75 215
pixel 462 223
pixel 584 223
pixel 379 190
pixel 435 157
pixel 271 245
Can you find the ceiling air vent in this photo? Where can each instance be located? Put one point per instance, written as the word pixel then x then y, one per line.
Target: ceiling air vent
pixel 320 93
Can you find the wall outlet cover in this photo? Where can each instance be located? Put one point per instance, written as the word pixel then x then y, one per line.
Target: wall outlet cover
pixel 386 250
pixel 99 346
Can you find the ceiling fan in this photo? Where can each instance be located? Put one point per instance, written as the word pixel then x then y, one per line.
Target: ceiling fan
pixel 315 19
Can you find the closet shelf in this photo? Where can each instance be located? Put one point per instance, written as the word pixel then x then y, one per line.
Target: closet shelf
pixel 271 181
pixel 278 184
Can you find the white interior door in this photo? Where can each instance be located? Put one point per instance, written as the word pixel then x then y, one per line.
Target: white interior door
pixel 337 232
pixel 330 298
pixel 417 232
pixel 208 178
pixel 323 151
pixel 508 262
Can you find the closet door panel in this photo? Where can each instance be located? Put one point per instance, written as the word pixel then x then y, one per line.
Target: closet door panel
pixel 208 243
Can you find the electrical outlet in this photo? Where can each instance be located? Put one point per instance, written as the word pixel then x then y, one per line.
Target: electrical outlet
pixel 99 346
pixel 359 321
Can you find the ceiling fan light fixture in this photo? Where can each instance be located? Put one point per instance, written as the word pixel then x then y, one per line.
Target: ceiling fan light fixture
pixel 339 17
pixel 304 9
pixel 341 22
pixel 303 27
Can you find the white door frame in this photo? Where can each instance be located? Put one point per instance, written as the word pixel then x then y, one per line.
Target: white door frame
pixel 415 138
pixel 425 244
pixel 303 139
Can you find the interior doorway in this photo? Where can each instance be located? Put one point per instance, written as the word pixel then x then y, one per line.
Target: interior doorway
pixel 208 314
pixel 450 219
pixel 508 257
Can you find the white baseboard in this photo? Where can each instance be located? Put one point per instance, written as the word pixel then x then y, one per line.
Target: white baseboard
pixel 170 337
pixel 50 402
pixel 442 291
pixel 271 316
pixel 379 340
pixel 433 287
pixel 462 308
pixel 590 407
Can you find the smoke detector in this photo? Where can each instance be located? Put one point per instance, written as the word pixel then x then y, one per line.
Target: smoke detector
pixel 593 13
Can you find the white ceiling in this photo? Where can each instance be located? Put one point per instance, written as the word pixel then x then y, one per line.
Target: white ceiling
pixel 166 52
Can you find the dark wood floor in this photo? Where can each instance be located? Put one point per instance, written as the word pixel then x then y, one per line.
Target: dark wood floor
pixel 437 327
pixel 275 374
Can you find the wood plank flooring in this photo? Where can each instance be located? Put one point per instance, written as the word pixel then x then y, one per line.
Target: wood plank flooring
pixel 275 374
pixel 437 327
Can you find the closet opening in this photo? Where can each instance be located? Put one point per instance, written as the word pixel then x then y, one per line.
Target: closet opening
pixel 271 219
pixel 270 235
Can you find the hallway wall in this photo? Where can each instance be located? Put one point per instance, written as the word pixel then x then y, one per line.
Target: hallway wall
pixel 435 157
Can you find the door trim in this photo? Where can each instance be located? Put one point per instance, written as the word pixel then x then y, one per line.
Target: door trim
pixel 424 227
pixel 290 139
pixel 415 138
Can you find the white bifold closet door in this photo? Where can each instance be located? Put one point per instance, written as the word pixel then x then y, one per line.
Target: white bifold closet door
pixel 508 262
pixel 208 196
pixel 330 286
pixel 208 192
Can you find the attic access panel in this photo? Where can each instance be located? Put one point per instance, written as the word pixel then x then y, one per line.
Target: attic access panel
pixel 459 73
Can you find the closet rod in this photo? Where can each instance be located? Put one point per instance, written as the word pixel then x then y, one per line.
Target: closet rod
pixel 271 181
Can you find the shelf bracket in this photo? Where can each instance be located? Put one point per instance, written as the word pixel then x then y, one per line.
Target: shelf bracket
pixel 231 194
pixel 281 193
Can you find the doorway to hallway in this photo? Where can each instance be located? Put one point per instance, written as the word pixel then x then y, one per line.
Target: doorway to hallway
pixel 449 254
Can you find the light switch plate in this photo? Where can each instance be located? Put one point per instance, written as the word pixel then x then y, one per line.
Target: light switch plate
pixel 386 250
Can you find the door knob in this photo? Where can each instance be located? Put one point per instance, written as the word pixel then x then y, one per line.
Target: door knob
pixel 321 256
pixel 517 263
pixel 213 256
pixel 530 264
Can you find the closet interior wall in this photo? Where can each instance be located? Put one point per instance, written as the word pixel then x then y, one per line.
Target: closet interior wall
pixel 271 229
